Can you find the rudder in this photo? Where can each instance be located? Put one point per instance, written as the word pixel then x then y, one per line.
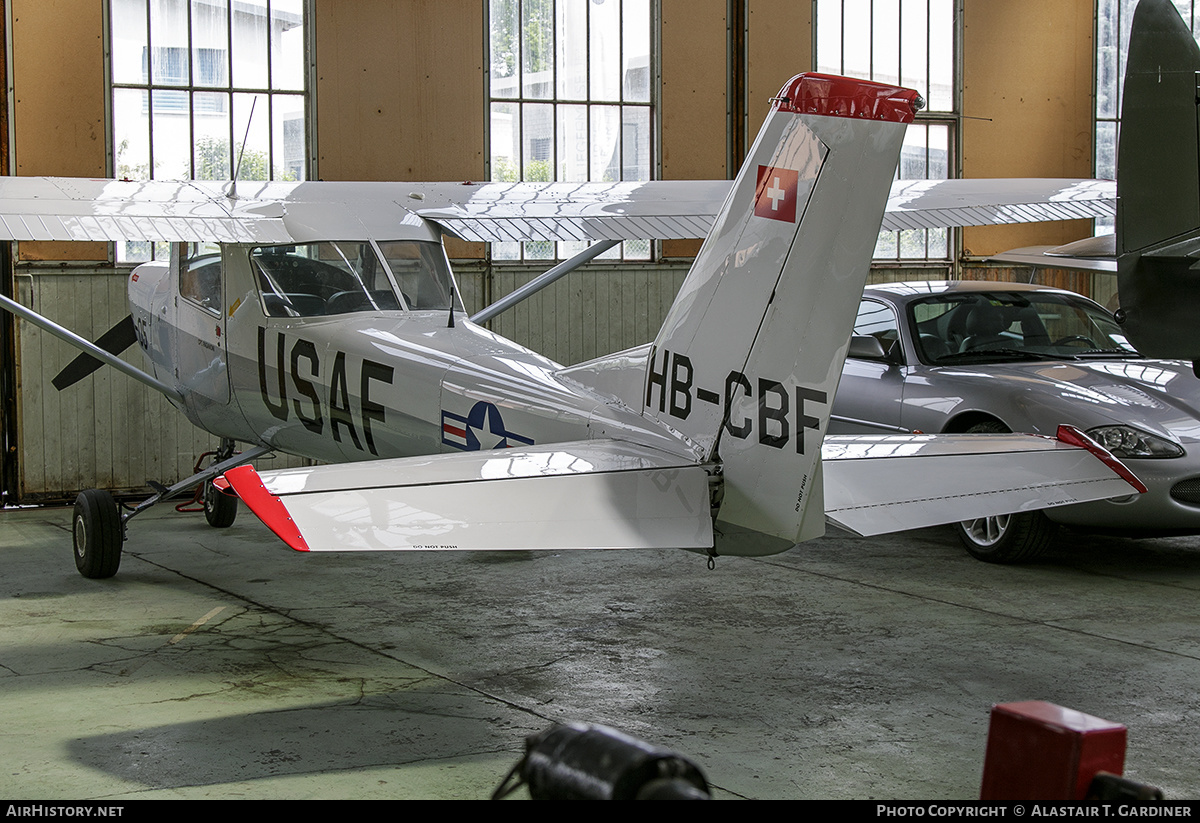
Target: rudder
pixel 748 359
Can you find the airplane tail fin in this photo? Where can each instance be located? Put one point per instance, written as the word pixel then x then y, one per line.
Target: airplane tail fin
pixel 747 362
pixel 1158 185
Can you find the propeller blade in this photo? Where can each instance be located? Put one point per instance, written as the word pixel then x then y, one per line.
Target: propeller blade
pixel 114 341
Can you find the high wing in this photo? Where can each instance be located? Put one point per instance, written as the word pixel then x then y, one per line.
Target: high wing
pixel 677 209
pixel 60 208
pixel 927 204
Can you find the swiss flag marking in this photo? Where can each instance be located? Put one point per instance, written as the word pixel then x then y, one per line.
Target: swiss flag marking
pixel 775 196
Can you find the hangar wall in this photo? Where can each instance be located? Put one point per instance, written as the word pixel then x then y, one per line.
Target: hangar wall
pixel 58 122
pixel 398 93
pixel 1027 105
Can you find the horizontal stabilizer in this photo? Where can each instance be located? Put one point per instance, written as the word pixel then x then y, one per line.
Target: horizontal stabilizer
pixel 598 494
pixel 888 483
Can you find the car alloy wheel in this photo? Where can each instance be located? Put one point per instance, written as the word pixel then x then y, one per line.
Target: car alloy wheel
pixel 987 531
pixel 1006 538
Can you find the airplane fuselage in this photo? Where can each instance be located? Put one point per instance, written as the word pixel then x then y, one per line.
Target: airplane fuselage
pixel 358 385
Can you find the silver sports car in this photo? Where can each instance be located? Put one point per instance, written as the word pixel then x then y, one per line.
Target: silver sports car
pixel 997 357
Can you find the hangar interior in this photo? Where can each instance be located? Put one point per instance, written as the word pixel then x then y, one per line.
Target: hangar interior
pixel 379 90
pixel 228 667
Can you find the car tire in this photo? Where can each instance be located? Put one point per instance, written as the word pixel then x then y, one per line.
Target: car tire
pixel 1008 538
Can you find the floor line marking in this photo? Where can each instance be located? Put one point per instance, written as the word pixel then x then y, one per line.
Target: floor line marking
pixel 196 625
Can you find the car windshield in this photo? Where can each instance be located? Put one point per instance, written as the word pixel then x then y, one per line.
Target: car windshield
pixel 1006 325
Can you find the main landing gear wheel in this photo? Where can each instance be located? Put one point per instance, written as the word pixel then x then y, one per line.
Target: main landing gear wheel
pixel 220 509
pixel 1008 538
pixel 97 534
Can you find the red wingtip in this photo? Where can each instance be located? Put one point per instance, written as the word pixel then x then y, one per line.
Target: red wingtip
pixel 267 507
pixel 1074 437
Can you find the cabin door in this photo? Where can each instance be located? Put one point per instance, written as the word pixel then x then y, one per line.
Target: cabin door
pixel 199 346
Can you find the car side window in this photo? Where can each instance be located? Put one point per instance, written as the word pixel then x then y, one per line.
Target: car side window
pixel 877 320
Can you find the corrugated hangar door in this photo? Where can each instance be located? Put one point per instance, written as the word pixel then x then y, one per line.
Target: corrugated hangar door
pixel 106 431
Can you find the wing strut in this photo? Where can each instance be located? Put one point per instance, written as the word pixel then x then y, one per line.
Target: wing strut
pixel 162 493
pixel 541 281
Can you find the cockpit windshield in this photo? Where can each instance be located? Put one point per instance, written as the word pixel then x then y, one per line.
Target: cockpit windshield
pixel 422 273
pixel 328 278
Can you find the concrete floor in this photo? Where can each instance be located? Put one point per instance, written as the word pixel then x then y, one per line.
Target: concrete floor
pixel 222 665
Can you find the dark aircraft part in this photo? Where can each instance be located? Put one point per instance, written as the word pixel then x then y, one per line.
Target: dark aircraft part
pixel 1160 304
pixel 114 341
pixel 1115 789
pixel 1158 186
pixel 589 762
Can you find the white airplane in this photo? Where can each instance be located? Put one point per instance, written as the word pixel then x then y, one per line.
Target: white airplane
pixel 329 326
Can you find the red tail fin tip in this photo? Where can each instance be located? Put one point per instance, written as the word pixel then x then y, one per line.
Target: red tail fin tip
pixel 832 96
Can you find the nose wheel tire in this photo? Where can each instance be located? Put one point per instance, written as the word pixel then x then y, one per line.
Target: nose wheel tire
pixel 97 534
pixel 220 509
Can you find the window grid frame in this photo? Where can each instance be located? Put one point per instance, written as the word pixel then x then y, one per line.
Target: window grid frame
pixel 229 89
pixel 950 119
pixel 589 104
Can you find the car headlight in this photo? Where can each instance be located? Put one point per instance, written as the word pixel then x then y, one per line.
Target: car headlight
pixel 1126 441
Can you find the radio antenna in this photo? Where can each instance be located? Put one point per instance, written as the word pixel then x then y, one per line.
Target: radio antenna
pixel 242 151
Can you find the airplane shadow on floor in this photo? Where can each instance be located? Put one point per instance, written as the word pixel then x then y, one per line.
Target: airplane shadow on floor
pixel 392 730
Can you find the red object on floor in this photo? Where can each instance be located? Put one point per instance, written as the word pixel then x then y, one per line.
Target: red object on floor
pixel 1039 751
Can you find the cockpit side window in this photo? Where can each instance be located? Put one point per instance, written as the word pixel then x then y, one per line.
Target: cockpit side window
pixel 200 275
pixel 318 279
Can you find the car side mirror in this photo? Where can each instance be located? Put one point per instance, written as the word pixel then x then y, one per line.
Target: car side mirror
pixel 866 347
